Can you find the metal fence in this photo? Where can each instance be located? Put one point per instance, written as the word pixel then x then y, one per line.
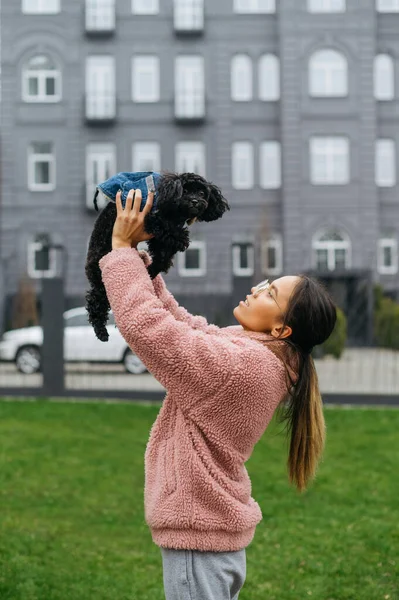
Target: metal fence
pixel 364 374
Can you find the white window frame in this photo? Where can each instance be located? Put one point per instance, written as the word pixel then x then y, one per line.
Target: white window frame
pixel 332 246
pixel 385 158
pixel 384 77
pixel 41 7
pixel 392 243
pixel 387 6
pixel 189 86
pixel 100 98
pixel 239 271
pixel 201 271
pixel 102 153
pixel 243 176
pixel 145 7
pixel 34 158
pixel 189 153
pixel 244 7
pixel 326 6
pixel 322 72
pixel 276 243
pixel 270 165
pixel 143 152
pixel 188 15
pixel 269 78
pixel 42 75
pixel 100 15
pixel 144 65
pixel 33 273
pixel 332 150
pixel 241 78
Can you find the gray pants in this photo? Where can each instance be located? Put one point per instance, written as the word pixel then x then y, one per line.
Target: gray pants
pixel 195 575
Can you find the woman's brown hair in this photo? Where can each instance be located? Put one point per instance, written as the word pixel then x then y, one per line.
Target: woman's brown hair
pixel 311 314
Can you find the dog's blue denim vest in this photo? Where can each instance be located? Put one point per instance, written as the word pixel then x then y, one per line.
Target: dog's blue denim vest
pixel 146 181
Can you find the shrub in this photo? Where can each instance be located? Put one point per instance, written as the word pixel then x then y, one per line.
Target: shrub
pixel 386 323
pixel 335 344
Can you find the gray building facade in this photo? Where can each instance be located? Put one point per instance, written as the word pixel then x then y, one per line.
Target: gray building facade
pixel 291 107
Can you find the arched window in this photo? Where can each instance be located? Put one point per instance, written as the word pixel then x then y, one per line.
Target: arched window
pixel 243 258
pixel 241 78
pixel 269 78
pixel 388 253
pixel 388 6
pixel 41 257
pixel 326 6
pixel 384 78
pixel 331 251
pixel 272 255
pixel 328 74
pixel 41 80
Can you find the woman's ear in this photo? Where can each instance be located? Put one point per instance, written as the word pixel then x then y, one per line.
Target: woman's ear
pixel 278 332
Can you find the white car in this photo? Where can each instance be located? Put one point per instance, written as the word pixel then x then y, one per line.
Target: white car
pixel 22 346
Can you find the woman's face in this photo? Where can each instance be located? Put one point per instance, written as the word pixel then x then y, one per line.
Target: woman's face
pixel 267 306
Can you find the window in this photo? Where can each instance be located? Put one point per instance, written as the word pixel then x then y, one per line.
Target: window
pixel 270 165
pixel 329 160
pixel 388 255
pixel 77 321
pixel 272 256
pixel 254 6
pixel 100 87
pixel 100 166
pixel 241 78
pixel 145 79
pixel 328 74
pixel 192 262
pixel 40 7
pixel 189 15
pixel 146 156
pixel 190 158
pixel 243 259
pixel 269 78
pixel 388 6
pixel 331 251
pixel 329 6
pixel 145 7
pixel 41 80
pixel 41 167
pixel 242 165
pixel 41 257
pixel 384 78
pixel 100 15
pixel 189 87
pixel 385 163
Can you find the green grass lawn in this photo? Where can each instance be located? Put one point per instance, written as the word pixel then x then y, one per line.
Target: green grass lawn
pixel 72 517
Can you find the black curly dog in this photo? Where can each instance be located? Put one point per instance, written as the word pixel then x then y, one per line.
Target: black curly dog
pixel 181 198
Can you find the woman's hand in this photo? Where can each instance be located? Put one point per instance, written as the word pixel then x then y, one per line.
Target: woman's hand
pixel 129 223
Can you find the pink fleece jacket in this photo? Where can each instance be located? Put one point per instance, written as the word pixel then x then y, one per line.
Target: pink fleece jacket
pixel 223 386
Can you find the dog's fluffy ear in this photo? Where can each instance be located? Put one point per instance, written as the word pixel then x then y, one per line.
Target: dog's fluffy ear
pixel 100 244
pixel 217 204
pixel 169 187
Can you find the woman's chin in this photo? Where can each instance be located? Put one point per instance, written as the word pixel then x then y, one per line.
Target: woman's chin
pixel 236 314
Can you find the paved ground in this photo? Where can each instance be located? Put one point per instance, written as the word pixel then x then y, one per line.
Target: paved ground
pixel 370 371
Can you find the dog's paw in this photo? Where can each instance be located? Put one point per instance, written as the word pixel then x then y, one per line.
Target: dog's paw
pixel 147 260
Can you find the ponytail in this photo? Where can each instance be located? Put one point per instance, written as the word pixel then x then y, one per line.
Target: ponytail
pixel 311 315
pixel 305 424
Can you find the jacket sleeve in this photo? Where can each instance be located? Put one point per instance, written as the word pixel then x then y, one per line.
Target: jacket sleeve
pixel 170 303
pixel 180 358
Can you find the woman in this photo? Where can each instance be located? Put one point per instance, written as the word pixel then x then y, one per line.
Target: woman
pixel 223 387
